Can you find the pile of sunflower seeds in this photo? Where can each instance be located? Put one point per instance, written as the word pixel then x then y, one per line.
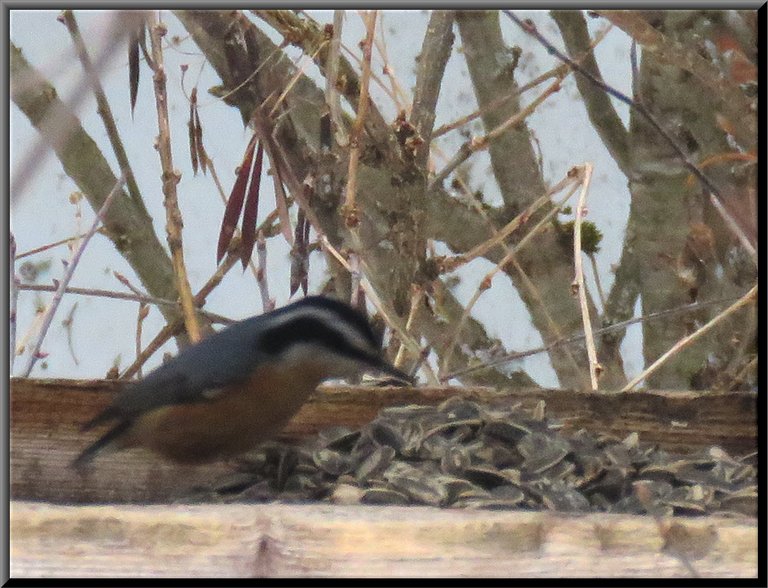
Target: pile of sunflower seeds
pixel 464 454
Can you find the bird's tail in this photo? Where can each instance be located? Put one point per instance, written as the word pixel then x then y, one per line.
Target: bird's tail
pixel 105 440
pixel 108 414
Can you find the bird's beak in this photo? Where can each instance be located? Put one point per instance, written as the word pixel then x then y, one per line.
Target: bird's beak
pixel 383 366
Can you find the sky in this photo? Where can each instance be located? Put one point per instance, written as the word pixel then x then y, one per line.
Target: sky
pixel 102 332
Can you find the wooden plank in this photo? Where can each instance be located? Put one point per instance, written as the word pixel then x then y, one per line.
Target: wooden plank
pixel 46 416
pixel 278 540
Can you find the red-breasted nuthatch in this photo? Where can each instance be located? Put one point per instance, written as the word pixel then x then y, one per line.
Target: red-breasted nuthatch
pixel 239 387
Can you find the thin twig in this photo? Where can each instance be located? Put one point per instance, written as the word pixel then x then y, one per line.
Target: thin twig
pixel 558 71
pixel 267 302
pixel 554 328
pixel 51 245
pixel 578 283
pixel 714 193
pixel 250 76
pixel 417 295
pixel 479 143
pixel 68 275
pixel 750 296
pixel 374 78
pixel 430 72
pixel 580 337
pixel 171 178
pixel 104 109
pixel 125 282
pixel 143 312
pixel 292 82
pixel 528 286
pixel 40 309
pixel 67 324
pixel 483 286
pixel 596 277
pixel 168 331
pixel 122 296
pixel 733 225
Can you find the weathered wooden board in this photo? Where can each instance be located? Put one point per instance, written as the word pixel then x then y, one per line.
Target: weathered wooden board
pixel 278 540
pixel 46 416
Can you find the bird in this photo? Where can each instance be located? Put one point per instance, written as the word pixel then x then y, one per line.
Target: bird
pixel 238 387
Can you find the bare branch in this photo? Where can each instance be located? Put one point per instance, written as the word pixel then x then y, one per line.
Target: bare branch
pixel 349 210
pixel 555 72
pixel 585 174
pixel 491 63
pixel 171 179
pixel 435 52
pixel 601 112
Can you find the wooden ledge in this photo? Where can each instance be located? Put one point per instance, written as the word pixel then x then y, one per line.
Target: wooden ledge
pixel 278 540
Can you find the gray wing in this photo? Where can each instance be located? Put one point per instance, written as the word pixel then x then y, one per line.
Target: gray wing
pixel 224 358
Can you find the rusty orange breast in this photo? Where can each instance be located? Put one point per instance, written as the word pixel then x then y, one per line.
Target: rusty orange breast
pixel 233 421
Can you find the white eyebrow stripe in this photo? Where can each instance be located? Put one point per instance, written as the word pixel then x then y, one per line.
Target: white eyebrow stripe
pixel 345 328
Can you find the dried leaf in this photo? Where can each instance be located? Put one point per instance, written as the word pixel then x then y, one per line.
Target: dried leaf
pixel 134 42
pixel 299 255
pixel 235 203
pixel 192 133
pixel 251 211
pixel 201 153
